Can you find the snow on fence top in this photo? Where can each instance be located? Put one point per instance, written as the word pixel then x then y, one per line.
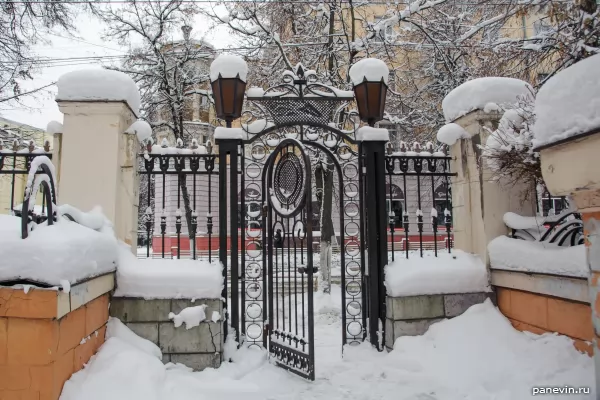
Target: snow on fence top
pixel 167 279
pixel 569 103
pixel 141 128
pixel 371 69
pixel 230 133
pixel 450 133
pixel 541 257
pixel 65 251
pixel 477 94
pixel 367 133
pixel 99 84
pixel 54 127
pixel 458 272
pixel 229 66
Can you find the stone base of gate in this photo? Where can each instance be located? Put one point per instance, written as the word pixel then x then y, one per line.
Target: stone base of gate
pixel 198 348
pixel 413 315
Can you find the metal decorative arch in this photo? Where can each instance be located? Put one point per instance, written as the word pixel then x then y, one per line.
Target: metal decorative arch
pixel 312 115
pixel 41 178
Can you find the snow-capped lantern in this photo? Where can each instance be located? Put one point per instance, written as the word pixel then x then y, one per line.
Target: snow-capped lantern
pixel 369 78
pixel 228 80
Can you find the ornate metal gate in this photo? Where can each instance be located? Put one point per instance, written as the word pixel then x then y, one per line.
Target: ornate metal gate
pixel 288 235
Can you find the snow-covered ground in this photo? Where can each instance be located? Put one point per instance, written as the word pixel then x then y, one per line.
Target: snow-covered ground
pixel 476 356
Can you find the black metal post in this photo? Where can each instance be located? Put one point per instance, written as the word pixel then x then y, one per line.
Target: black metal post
pixel 374 161
pixel 229 147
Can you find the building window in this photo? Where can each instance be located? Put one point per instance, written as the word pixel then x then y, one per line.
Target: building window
pixel 392 80
pixel 541 27
pixel 394 135
pixel 442 200
pixel 394 203
pixel 203 100
pixel 553 205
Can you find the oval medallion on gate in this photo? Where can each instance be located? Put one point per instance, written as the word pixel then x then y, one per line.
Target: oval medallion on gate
pixel 287 178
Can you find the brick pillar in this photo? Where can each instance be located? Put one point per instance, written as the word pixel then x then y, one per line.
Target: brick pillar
pixel 588 203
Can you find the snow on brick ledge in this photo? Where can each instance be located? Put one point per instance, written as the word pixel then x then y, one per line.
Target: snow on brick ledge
pixel 458 272
pixel 369 134
pixel 450 133
pixel 167 279
pixel 65 251
pixel 531 256
pixel 98 84
pixel 569 103
pixel 371 69
pixel 229 66
pixel 477 94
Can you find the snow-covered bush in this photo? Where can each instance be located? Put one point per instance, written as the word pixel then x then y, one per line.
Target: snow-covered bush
pixel 508 151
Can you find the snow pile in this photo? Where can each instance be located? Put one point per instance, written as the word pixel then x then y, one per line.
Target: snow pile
pixel 371 69
pixel 65 251
pixel 116 329
pixel 98 84
pixel 568 104
pixel 255 92
pixel 477 93
pixel 142 129
pixel 538 257
pixel 167 279
pixel 458 272
pixel 191 316
pixel 54 127
pixel 475 356
pixel 228 66
pixel 516 221
pixel 450 133
pixel 230 133
pixel 369 134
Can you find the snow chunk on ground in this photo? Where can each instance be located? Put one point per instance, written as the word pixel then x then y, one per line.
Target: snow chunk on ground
pixel 371 69
pixel 98 84
pixel 230 133
pixel 167 279
pixel 116 329
pixel 477 93
pixel 568 104
pixel 458 272
pixel 450 133
pixel 532 256
pixel 142 129
pixel 65 251
pixel 191 316
pixel 369 134
pixel 54 127
pixel 229 66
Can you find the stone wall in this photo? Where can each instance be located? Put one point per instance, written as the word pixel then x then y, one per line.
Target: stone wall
pixel 47 335
pixel 198 348
pixel 413 315
pixel 540 303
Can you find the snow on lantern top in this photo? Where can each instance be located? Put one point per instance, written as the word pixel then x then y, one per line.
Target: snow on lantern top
pixel 477 94
pixel 568 104
pixel 229 66
pixel 98 84
pixel 371 69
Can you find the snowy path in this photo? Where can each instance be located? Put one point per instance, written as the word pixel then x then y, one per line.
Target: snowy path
pixel 477 356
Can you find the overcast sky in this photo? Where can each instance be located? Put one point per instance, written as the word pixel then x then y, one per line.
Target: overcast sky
pixel 87 43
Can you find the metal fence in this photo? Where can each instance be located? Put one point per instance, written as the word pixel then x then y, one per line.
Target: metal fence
pixel 418 200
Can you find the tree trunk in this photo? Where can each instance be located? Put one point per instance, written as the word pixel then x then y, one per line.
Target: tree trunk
pixel 324 182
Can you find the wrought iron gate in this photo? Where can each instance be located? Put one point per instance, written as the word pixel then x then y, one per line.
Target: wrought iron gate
pixel 288 235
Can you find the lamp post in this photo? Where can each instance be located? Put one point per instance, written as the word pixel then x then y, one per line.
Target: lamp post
pixel 228 81
pixel 369 78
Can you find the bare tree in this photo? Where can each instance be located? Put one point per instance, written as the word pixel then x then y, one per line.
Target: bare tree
pixel 168 72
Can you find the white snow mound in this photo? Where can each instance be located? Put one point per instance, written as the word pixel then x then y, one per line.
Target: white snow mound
pixel 458 272
pixel 167 279
pixel 229 66
pixel 367 133
pixel 98 84
pixel 191 316
pixel 569 103
pixel 371 69
pixel 54 127
pixel 141 129
pixel 477 93
pixel 116 329
pixel 451 132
